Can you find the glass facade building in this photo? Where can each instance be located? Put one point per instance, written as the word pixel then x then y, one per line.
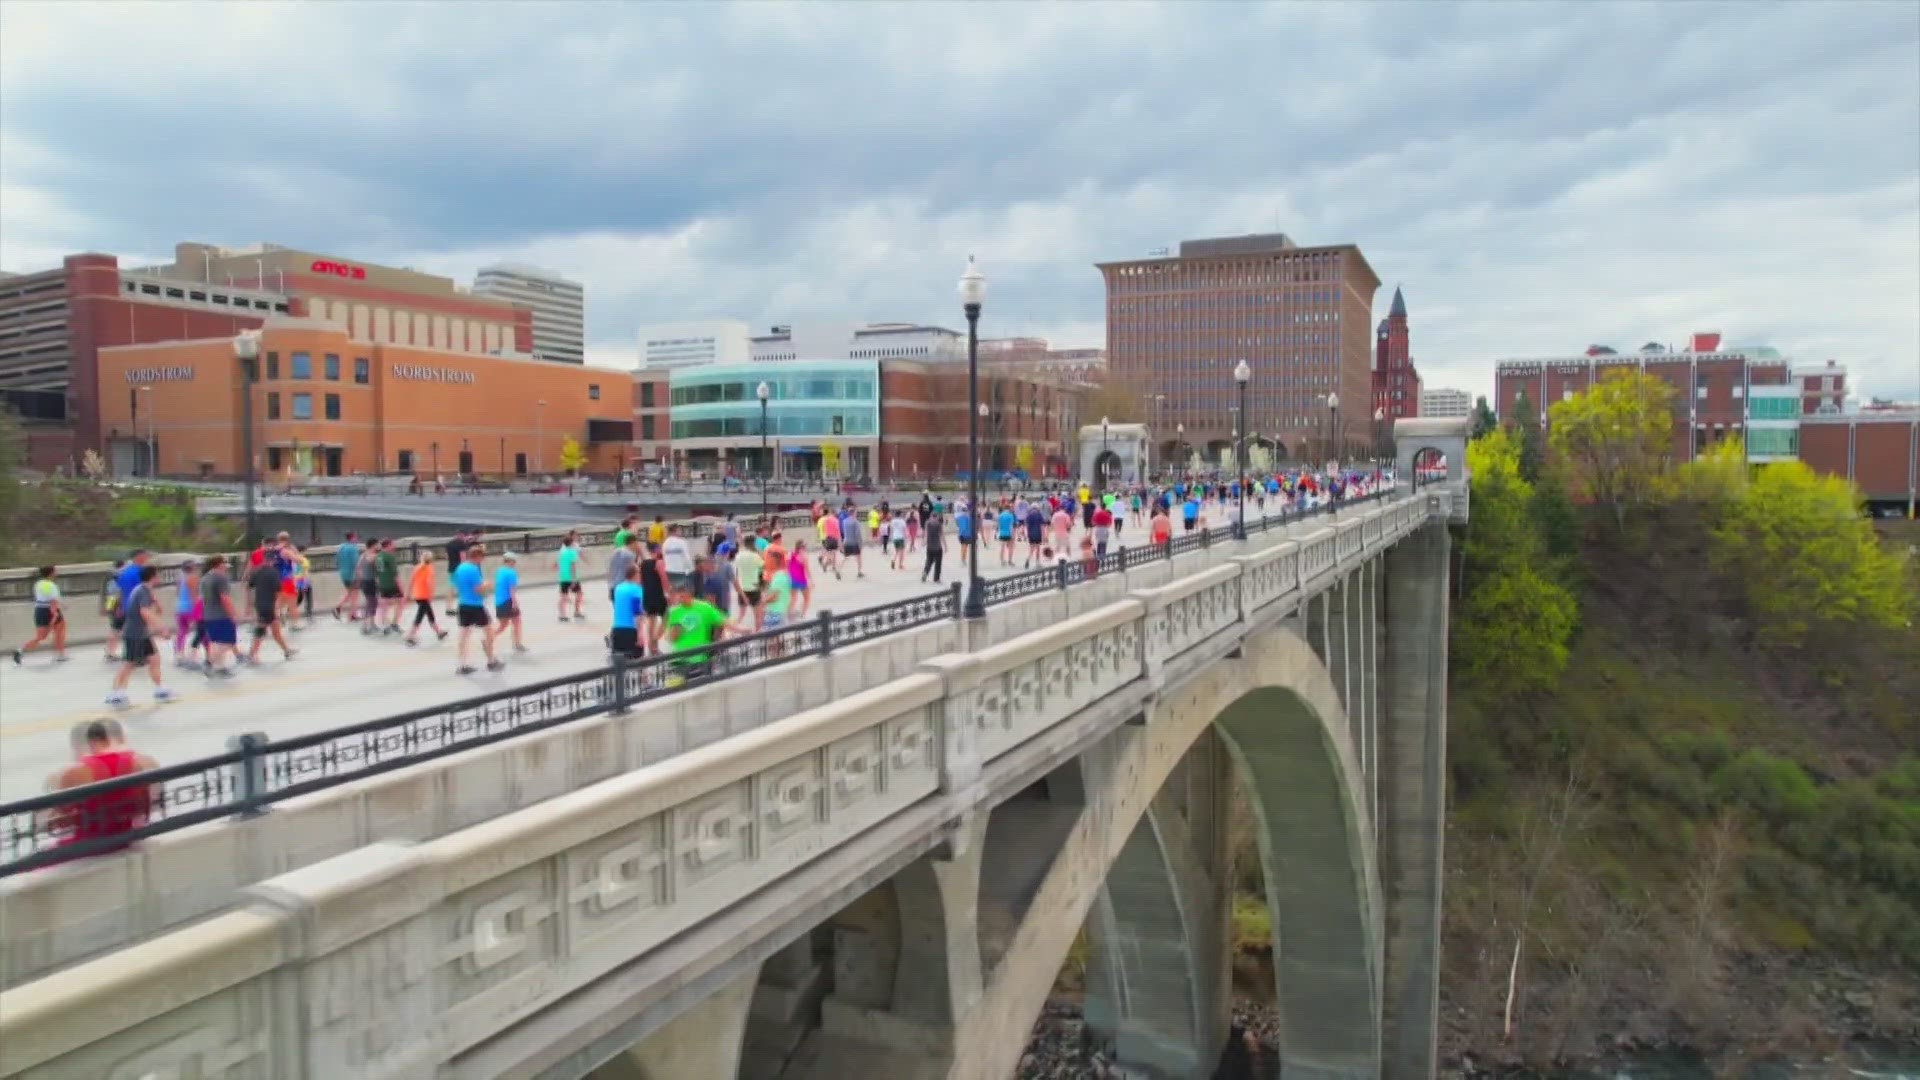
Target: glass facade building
pixel 819 413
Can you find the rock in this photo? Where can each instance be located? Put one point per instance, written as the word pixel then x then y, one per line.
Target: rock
pixel 1859 999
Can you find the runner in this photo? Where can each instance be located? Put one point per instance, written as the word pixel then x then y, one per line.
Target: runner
pixel 103 756
pixel 420 588
pixel 126 578
pixel 621 534
pixel 963 529
pixel 657 532
pixel 346 559
pixel 506 599
pixel 796 564
pixel 386 567
pixel 1190 511
pixel 828 526
pixel 1102 528
pixel 936 547
pixel 263 582
pixel 676 558
pixel 852 536
pixel 568 560
pixel 468 580
pixel 715 574
pixel 302 584
pixel 749 571
pixel 897 533
pixel 1063 527
pixel 49 618
pixel 624 557
pixel 1003 523
pixel 1036 532
pixel 779 592
pixel 186 617
pixel 219 620
pixel 692 624
pixel 144 623
pixel 367 586
pixel 653 596
pixel 283 562
pixel 626 598
pixel 1162 526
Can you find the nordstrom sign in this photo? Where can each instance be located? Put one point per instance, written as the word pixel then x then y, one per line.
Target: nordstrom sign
pixel 422 373
pixel 142 376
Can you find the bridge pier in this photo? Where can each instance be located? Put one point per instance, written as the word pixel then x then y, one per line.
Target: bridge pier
pixel 704 1041
pixel 1412 794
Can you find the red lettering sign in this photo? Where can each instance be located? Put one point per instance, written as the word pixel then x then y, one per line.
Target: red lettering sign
pixel 338 269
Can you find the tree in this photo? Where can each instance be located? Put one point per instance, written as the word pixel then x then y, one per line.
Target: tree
pixel 1023 458
pixel 572 458
pixel 1120 399
pixel 1806 556
pixel 1525 425
pixel 1514 627
pixel 1616 438
pixel 1483 419
pixel 1500 534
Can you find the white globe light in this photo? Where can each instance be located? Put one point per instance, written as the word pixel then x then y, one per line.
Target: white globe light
pixel 973 285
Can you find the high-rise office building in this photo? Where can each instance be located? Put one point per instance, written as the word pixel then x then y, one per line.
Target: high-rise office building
pixel 1301 317
pixel 1445 401
pixel 559 307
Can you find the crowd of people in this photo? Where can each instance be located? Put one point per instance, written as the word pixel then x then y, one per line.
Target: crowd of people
pixel 668 592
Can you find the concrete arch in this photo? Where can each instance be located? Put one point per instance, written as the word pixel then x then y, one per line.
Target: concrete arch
pixel 1157 973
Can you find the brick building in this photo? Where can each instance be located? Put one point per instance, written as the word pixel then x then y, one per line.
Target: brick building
pixel 1301 317
pixel 1396 382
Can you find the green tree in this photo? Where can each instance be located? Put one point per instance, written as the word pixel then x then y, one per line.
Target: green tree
pixel 1513 634
pixel 572 458
pixel 1531 443
pixel 1483 419
pixel 1500 534
pixel 1616 438
pixel 1807 558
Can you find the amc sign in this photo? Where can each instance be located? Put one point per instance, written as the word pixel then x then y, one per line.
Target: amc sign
pixel 151 375
pixel 339 269
pixel 422 373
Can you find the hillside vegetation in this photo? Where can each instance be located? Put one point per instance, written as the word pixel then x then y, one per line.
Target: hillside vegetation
pixel 1685 749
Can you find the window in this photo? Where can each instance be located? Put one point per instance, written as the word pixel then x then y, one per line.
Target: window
pixel 1739 391
pixel 333 406
pixel 646 395
pixel 300 366
pixel 303 406
pixel 273 365
pixel 362 371
pixel 332 363
pixel 593 391
pixel 405 461
pixel 520 464
pixel 646 427
pixel 273 406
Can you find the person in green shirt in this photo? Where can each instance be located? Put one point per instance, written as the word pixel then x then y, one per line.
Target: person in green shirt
pixel 779 594
pixel 749 572
pixel 692 624
pixel 568 560
pixel 621 534
pixel 386 576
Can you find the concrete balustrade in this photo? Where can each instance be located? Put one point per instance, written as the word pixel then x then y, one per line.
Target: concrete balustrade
pixel 649 852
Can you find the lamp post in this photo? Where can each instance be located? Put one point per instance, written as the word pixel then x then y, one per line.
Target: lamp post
pixel 435 447
pixel 539 434
pixel 973 294
pixel 1159 400
pixel 1379 434
pixel 1180 447
pixel 763 392
pixel 1100 463
pixel 1242 374
pixel 1333 445
pixel 246 350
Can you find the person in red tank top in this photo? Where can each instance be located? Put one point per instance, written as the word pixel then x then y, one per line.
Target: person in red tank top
pixel 105 756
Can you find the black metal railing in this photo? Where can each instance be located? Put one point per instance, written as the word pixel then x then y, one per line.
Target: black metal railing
pixel 255 773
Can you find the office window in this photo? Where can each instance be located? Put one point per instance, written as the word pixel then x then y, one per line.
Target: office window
pixel 646 394
pixel 273 365
pixel 362 371
pixel 646 427
pixel 333 406
pixel 273 406
pixel 300 366
pixel 332 363
pixel 303 406
pixel 593 391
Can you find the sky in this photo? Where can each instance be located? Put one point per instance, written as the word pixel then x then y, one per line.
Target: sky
pixel 1537 176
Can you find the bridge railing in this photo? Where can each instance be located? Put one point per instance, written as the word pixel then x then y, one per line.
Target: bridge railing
pixel 254 774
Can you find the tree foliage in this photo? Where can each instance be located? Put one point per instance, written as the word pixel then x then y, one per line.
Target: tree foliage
pixel 1483 419
pixel 1120 399
pixel 572 458
pixel 1532 445
pixel 1806 557
pixel 1615 437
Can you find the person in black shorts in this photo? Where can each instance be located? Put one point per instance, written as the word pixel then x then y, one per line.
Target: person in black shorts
pixel 263 584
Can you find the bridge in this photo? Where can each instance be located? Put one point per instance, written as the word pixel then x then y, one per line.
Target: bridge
pixel 868 860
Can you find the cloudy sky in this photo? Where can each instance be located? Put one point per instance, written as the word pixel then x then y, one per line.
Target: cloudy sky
pixel 1538 176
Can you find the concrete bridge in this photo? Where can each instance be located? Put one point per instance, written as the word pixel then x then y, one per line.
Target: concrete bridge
pixel 886 881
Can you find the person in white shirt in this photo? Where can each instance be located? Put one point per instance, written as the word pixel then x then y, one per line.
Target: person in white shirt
pixel 896 527
pixel 678 557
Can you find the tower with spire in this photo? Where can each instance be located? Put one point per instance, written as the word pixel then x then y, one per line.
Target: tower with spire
pixel 1396 383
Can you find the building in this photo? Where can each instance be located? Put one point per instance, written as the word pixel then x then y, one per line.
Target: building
pixel 884 419
pixel 1444 402
pixel 329 404
pixel 1300 317
pixel 1396 383
pixel 1878 451
pixel 559 307
pixel 1078 367
pixel 652 419
pixel 711 341
pixel 854 341
pixel 1823 388
pixel 53 324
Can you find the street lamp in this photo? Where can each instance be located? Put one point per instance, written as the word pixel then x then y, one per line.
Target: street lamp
pixel 1242 374
pixel 973 294
pixel 1333 448
pixel 1100 465
pixel 1379 434
pixel 1180 448
pixel 763 392
pixel 539 424
pixel 1159 400
pixel 246 349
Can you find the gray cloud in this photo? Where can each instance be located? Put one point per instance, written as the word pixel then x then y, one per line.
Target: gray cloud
pixel 1538 176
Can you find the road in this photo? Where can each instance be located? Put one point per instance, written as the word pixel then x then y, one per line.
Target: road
pixel 337 677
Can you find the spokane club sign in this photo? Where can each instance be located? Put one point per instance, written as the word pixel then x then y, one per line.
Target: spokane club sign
pixel 422 373
pixel 141 376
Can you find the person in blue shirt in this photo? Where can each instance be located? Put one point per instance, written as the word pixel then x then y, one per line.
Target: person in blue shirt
pixel 347 558
pixel 627 600
pixel 1004 525
pixel 125 580
pixel 1190 511
pixel 506 599
pixel 468 581
pixel 963 529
